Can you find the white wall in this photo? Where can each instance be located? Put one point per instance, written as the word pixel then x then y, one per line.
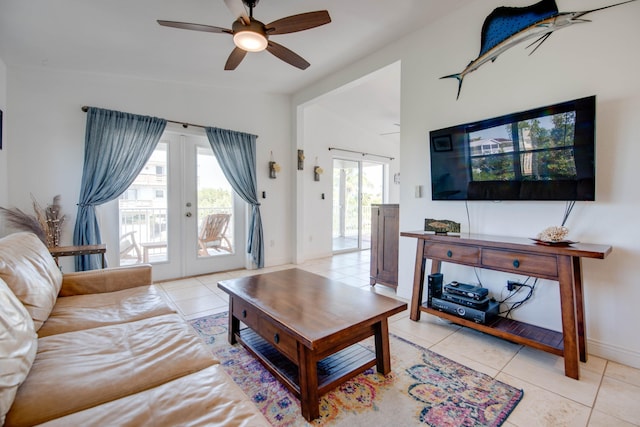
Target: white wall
pixel 324 129
pixel 47 134
pixel 597 58
pixel 4 186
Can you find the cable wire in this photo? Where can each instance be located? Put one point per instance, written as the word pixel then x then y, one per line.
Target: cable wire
pixel 517 304
pixel 567 211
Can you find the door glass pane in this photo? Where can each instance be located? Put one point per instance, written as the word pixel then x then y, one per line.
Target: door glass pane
pixel 215 207
pixel 345 204
pixel 143 213
pixel 372 187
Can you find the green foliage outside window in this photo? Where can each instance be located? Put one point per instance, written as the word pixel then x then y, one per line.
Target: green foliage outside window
pixel 538 152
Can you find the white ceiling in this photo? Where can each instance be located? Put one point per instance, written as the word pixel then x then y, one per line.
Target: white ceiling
pixel 371 103
pixel 122 37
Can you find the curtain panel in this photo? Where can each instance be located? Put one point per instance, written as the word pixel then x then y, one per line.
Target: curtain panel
pixel 236 154
pixel 117 146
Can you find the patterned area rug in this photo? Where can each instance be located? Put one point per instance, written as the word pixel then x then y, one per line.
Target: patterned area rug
pixel 423 388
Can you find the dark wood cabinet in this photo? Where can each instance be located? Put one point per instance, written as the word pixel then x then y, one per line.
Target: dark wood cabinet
pixel 385 235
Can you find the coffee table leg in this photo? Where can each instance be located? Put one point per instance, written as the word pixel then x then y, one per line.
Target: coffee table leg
pixel 234 324
pixel 308 371
pixel 383 354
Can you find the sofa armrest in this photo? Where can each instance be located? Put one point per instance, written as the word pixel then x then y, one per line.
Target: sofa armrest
pixel 105 280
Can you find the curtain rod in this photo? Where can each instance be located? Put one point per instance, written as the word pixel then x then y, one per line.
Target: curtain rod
pixel 360 152
pixel 184 124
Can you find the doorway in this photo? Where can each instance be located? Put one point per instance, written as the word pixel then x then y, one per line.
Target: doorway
pixel 181 214
pixel 356 185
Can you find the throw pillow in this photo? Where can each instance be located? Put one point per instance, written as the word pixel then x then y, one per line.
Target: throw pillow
pixel 31 273
pixel 18 345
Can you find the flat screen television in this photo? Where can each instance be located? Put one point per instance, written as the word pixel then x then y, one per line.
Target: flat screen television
pixel 546 153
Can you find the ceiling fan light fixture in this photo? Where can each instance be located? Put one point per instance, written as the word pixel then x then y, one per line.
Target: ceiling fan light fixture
pixel 250 41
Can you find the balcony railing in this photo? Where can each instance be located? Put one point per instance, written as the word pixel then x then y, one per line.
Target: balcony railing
pixel 149 226
pixel 345 230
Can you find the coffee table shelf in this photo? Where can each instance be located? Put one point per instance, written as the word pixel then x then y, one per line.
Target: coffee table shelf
pixel 332 370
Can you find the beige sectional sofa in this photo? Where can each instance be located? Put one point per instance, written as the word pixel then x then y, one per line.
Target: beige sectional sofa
pixel 102 348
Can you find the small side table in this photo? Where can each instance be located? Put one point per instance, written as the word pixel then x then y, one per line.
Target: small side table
pixel 146 247
pixel 59 251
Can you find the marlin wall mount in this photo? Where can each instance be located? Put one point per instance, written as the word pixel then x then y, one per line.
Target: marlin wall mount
pixel 507 27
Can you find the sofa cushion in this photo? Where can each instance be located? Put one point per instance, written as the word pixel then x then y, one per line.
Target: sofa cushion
pixel 77 370
pixel 18 345
pixel 205 398
pixel 90 311
pixel 30 271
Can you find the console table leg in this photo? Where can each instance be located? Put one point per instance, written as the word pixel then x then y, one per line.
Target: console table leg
pixel 418 281
pixel 308 372
pixel 582 329
pixel 568 309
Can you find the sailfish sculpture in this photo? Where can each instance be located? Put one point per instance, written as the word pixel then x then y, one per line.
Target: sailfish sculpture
pixel 507 27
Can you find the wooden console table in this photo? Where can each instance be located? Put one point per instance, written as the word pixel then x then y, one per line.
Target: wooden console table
pixel 59 251
pixel 521 256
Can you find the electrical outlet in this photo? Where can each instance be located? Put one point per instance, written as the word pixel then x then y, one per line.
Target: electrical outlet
pixel 511 284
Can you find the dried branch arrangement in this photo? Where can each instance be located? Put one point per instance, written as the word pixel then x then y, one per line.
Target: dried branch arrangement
pixel 46 223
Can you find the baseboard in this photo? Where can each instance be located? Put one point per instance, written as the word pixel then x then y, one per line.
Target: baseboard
pixel 277 261
pixel 616 354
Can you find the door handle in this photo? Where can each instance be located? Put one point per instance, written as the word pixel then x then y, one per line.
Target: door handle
pixel 188 214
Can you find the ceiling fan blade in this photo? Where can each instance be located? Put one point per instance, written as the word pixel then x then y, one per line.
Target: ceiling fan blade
pixel 194 27
pixel 303 21
pixel 287 55
pixel 236 56
pixel 237 10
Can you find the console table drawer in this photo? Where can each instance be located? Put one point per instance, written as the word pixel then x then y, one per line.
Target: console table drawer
pixel 245 313
pixel 280 339
pixel 520 262
pixel 452 253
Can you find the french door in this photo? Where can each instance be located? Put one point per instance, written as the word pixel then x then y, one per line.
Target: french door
pixel 356 185
pixel 181 214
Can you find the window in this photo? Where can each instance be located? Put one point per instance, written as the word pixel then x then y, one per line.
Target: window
pixel 537 149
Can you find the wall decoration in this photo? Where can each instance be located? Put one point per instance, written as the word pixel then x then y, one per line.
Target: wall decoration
pixel 273 167
pixel 441 226
pixel 317 171
pixel 507 27
pixel 300 160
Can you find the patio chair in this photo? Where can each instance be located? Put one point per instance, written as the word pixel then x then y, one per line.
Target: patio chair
pixel 129 248
pixel 212 233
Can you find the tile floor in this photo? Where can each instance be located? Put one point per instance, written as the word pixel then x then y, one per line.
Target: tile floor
pixel 608 393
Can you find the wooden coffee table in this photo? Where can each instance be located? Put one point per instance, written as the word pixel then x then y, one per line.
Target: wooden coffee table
pixel 305 329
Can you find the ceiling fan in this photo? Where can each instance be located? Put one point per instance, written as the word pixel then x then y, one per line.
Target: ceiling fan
pixel 251 35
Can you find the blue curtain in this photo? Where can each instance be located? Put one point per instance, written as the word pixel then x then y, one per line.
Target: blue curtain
pixel 116 148
pixel 236 154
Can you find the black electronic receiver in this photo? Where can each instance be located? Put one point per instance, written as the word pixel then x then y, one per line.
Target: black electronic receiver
pixel 469 302
pixel 478 316
pixel 470 291
pixel 434 287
